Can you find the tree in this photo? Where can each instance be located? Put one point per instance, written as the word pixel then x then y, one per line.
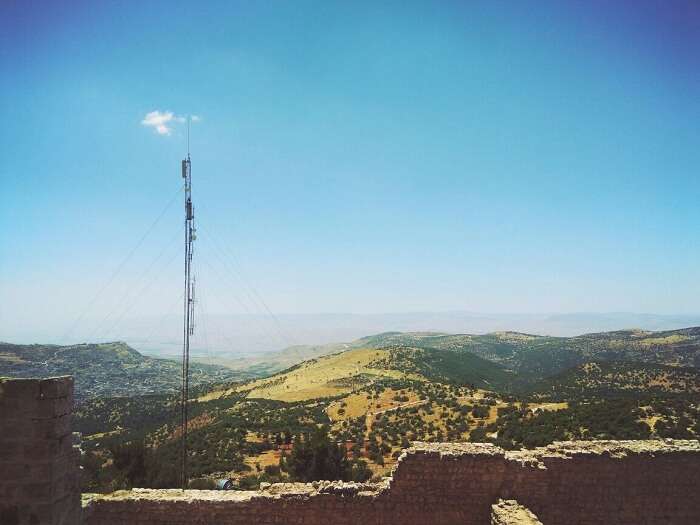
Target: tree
pixel 283 461
pixel 360 472
pixel 130 460
pixel 315 457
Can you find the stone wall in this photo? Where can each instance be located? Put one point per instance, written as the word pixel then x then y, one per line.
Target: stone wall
pixel 610 482
pixel 39 466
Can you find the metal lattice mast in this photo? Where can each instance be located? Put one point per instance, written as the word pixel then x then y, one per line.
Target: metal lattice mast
pixel 188 328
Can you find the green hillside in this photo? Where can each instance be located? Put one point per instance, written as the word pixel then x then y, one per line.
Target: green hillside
pixel 382 392
pixel 107 370
pixel 445 366
pixel 619 378
pixel 533 358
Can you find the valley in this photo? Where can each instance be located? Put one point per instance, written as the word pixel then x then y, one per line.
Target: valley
pixel 370 398
pixel 379 394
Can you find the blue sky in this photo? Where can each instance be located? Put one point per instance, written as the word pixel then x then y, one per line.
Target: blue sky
pixel 351 157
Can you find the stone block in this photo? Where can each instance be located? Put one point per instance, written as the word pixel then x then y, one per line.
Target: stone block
pixel 41 450
pixel 56 427
pixel 10 491
pixel 9 513
pixel 10 449
pixel 21 388
pixel 42 491
pixel 15 426
pixel 37 471
pixel 15 471
pixel 39 513
pixel 50 408
pixel 17 408
pixel 56 387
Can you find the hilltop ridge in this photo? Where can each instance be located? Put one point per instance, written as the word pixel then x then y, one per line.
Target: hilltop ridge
pixel 106 369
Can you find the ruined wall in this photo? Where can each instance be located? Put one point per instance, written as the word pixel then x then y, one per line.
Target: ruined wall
pixel 39 466
pixel 608 482
pixel 600 482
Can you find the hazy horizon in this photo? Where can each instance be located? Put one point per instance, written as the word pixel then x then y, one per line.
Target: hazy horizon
pixel 226 335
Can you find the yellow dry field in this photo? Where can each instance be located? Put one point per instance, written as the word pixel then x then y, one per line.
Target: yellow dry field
pixel 252 437
pixel 382 470
pixel 11 358
pixel 651 421
pixel 514 337
pixel 356 405
pixel 323 377
pixel 103 434
pixel 548 406
pixel 269 457
pixel 591 368
pixel 437 416
pixel 668 340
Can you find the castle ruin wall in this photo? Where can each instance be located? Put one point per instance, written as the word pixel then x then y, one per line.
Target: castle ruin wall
pixel 39 464
pixel 596 482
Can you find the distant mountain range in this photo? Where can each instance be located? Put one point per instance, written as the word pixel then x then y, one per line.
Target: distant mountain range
pixel 501 361
pixel 244 336
pixel 232 336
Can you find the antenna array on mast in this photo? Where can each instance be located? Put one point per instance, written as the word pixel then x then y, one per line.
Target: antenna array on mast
pixel 188 328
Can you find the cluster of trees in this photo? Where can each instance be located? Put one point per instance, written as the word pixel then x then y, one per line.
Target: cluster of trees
pixel 220 444
pixel 133 465
pixel 518 427
pixel 608 379
pixel 439 416
pixel 316 456
pixel 139 413
pixel 679 416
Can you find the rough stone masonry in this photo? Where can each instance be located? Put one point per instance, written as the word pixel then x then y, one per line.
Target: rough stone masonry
pixel 585 482
pixel 595 482
pixel 39 465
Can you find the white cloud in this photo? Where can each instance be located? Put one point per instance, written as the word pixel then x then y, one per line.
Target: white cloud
pixel 162 121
